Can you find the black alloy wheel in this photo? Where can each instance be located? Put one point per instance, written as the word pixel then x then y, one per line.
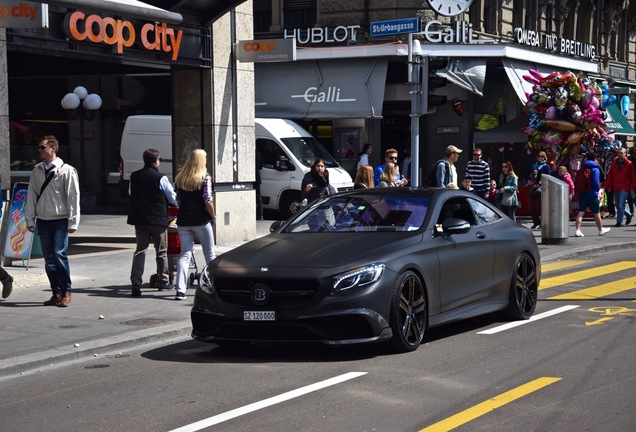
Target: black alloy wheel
pixel 409 313
pixel 523 289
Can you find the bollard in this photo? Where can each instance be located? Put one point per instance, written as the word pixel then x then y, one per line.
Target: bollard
pixel 555 207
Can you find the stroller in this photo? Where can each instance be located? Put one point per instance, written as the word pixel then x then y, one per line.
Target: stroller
pixel 174 251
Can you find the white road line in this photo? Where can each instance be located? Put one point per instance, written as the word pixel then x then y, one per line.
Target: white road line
pixel 202 424
pixel 532 318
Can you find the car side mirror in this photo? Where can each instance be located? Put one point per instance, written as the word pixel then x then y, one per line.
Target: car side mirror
pixel 282 163
pixel 452 226
pixel 275 225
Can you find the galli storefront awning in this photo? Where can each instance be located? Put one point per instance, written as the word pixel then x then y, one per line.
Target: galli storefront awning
pixel 616 121
pixel 346 88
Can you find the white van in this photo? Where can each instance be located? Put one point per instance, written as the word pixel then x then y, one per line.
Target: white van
pixel 142 132
pixel 286 149
pixel 287 152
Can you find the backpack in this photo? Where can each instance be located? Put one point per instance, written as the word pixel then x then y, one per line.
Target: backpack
pixel 431 177
pixel 583 180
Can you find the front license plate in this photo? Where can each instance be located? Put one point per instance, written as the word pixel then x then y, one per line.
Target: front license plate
pixel 259 316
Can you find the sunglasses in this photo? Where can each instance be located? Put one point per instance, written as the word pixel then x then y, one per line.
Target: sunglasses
pixel 42 147
pixel 477 154
pixel 392 157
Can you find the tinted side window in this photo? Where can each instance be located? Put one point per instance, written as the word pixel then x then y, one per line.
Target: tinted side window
pixel 483 213
pixel 457 207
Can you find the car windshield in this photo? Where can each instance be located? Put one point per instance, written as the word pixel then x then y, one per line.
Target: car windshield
pixel 362 213
pixel 308 149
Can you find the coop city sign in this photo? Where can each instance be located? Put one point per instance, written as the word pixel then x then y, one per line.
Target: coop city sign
pixel 153 36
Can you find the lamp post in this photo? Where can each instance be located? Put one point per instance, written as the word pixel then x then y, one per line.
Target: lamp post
pixel 83 106
pixel 415 57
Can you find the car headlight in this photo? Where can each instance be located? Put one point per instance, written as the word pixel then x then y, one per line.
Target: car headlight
pixel 206 282
pixel 345 282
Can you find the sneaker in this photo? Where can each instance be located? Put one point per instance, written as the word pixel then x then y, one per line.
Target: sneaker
pixel 7 286
pixel 618 225
pixel 628 220
pixel 136 291
pixel 54 300
pixel 65 300
pixel 180 296
pixel 578 233
pixel 165 287
pixel 604 231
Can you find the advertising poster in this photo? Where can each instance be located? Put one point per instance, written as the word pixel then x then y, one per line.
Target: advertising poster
pixel 19 239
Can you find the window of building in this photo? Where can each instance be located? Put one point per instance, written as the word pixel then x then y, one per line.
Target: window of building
pixel 299 13
pixel 262 15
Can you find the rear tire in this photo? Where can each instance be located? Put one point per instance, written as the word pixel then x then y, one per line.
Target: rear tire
pixel 523 289
pixel 409 313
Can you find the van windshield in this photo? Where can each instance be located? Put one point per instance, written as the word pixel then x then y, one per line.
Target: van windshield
pixel 308 149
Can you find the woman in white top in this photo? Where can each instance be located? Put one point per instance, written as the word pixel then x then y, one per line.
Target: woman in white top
pixel 364 156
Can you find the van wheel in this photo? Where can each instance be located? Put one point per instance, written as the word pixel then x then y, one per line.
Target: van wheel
pixel 291 205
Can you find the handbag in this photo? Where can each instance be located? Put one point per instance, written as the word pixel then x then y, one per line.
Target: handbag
pixel 506 200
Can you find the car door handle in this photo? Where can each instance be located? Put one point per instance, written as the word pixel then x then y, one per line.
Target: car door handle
pixel 481 235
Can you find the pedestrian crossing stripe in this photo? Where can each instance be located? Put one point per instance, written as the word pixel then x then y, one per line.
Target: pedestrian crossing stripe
pixel 598 291
pixel 586 274
pixel 559 265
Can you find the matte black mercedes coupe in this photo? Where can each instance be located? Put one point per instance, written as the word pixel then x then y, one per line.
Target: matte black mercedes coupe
pixel 368 266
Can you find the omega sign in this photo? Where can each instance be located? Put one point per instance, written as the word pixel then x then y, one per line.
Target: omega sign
pixel 552 42
pixel 110 31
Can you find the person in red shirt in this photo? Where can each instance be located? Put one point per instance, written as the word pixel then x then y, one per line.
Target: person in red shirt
pixel 621 179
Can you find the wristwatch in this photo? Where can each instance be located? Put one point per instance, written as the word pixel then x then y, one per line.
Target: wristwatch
pixel 450 7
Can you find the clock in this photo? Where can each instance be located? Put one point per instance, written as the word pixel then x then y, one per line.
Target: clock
pixel 450 7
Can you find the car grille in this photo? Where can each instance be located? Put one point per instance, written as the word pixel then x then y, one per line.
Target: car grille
pixel 282 292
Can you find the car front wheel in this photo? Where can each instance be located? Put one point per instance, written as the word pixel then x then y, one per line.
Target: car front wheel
pixel 409 313
pixel 523 288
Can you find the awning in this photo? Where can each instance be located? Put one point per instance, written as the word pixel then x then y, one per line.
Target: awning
pixel 127 8
pixel 506 133
pixel 348 88
pixel 616 121
pixel 469 74
pixel 516 69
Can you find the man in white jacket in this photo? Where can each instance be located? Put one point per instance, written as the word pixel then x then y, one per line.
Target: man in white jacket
pixel 53 198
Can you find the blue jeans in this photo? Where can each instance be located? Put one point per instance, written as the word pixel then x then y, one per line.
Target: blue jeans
pixel 620 198
pixel 54 241
pixel 186 235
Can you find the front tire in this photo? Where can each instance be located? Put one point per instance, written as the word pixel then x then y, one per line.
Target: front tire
pixel 523 289
pixel 409 313
pixel 290 205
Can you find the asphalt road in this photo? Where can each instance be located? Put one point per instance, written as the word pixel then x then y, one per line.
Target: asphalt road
pixel 572 370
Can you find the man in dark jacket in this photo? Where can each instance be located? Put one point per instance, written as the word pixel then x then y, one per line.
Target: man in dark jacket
pixel 150 195
pixel 589 199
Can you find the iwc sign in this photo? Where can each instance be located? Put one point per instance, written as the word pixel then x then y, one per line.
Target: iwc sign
pixel 450 7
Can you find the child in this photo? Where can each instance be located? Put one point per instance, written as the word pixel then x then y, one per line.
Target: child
pixel 493 195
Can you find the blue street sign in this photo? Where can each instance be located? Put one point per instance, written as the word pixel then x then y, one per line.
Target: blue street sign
pixel 407 25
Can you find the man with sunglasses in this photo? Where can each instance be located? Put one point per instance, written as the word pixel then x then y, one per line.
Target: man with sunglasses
pixel 390 155
pixel 479 170
pixel 54 200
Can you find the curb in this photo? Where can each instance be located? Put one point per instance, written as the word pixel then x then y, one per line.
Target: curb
pixel 32 363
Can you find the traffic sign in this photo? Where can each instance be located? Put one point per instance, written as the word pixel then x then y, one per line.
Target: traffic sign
pixel 384 28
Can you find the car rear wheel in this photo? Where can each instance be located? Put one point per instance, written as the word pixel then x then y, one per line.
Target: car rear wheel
pixel 409 313
pixel 523 289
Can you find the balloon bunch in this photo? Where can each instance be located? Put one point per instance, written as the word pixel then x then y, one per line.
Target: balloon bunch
pixel 566 111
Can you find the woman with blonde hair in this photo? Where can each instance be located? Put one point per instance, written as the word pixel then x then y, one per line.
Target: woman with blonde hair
pixel 389 175
pixel 196 214
pixel 364 178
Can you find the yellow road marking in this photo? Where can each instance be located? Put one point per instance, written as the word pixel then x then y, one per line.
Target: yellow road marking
pixel 598 321
pixel 558 265
pixel 598 291
pixel 490 405
pixel 585 274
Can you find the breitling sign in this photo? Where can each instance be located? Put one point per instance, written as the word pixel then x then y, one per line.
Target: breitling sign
pixel 554 43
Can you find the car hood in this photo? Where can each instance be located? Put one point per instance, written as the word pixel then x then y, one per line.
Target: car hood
pixel 315 250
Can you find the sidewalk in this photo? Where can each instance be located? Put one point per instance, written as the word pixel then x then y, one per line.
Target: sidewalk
pixel 103 317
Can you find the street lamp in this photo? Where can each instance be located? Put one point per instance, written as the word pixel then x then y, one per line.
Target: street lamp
pixel 83 106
